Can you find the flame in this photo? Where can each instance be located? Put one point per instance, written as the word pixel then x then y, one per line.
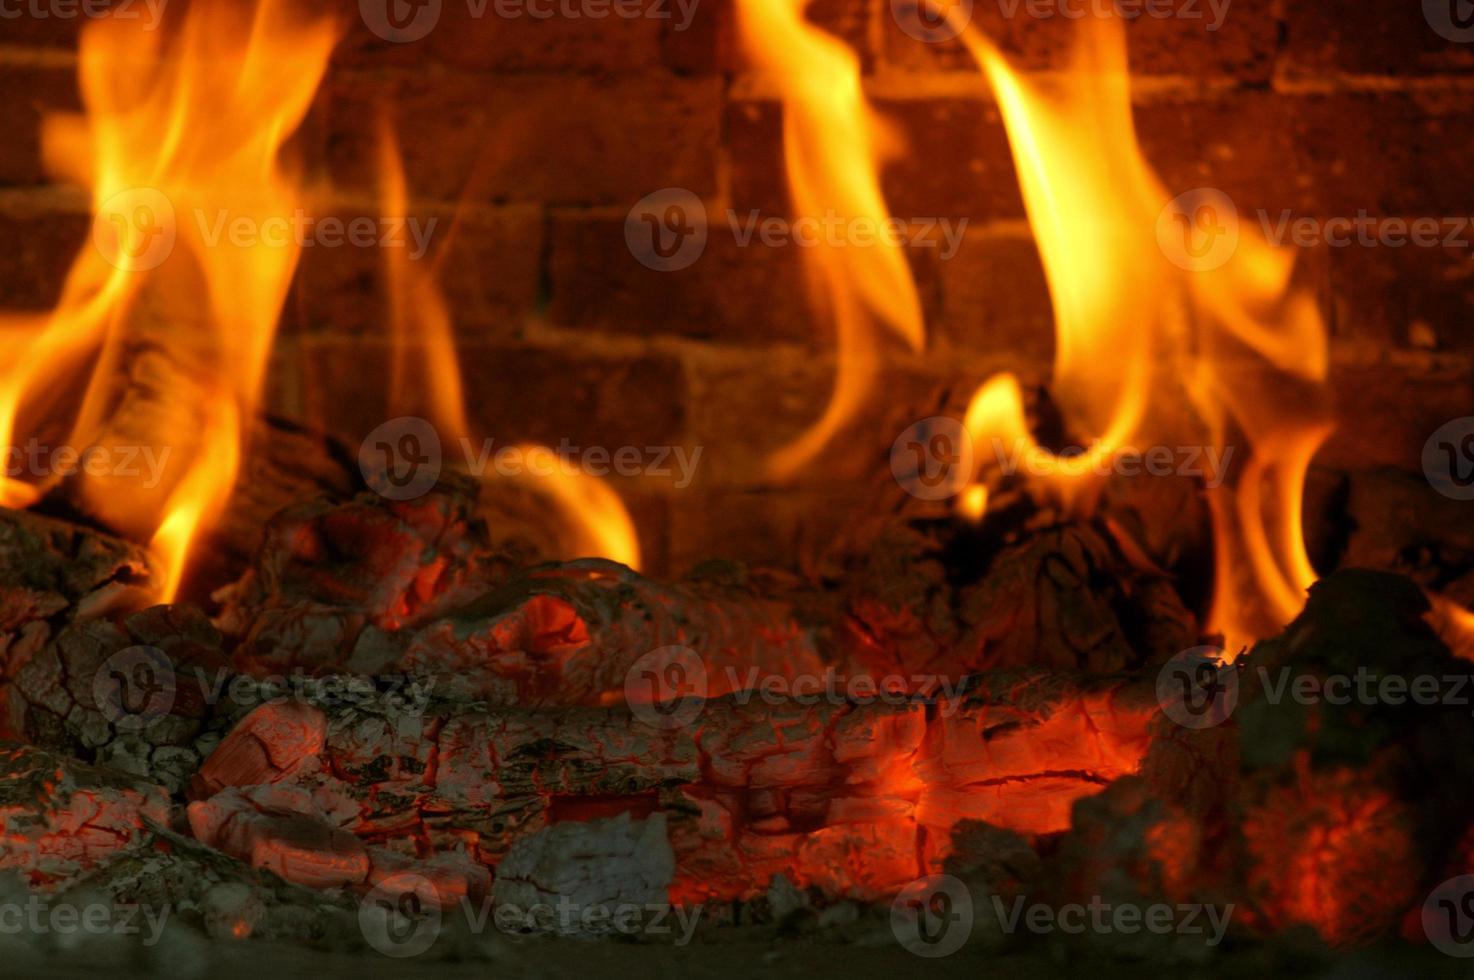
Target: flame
pixel 594 519
pixel 1157 347
pixel 165 321
pixel 832 144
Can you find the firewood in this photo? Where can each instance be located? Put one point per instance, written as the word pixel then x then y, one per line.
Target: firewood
pixel 123 694
pixel 53 571
pixel 60 818
pixel 841 795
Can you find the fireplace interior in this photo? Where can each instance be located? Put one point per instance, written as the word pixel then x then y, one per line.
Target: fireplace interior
pixel 695 486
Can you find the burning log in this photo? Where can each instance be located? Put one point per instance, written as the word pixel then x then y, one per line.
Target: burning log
pixel 328 572
pixel 844 796
pixel 573 633
pixel 121 694
pixel 1061 598
pixel 60 818
pixel 52 572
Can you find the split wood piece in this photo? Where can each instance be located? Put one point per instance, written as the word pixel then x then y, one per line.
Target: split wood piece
pixel 53 571
pixel 574 633
pixel 60 818
pixel 283 464
pixel 127 695
pixel 855 798
pixel 326 571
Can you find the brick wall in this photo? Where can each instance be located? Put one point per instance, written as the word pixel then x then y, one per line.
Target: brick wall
pixel 541 135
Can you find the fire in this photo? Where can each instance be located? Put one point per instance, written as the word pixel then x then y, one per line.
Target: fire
pixel 594 520
pixel 1174 328
pixel 832 144
pixel 161 337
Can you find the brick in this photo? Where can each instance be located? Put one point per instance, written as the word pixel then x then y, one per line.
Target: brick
pixel 733 293
pixel 40 244
pixel 1035 37
pixel 486 267
pixel 1357 37
pixel 1326 155
pixel 27 94
pixel 745 408
pixel 995 299
pixel 524 138
pixel 1405 297
pixel 956 161
pixel 1386 409
pixel 504 36
pixel 789 527
pixel 1319 155
pixel 513 394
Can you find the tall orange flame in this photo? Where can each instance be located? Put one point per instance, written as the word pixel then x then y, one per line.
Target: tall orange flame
pixel 594 520
pixel 166 318
pixel 833 144
pixel 1174 328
